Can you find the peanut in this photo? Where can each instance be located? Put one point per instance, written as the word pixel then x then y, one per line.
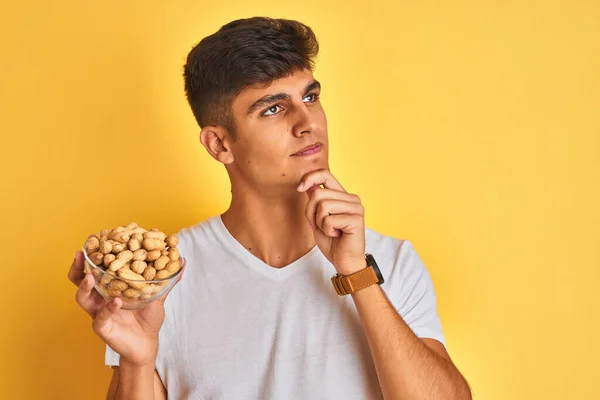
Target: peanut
pixel 173 267
pixel 153 244
pixel 114 293
pixel 105 246
pixel 118 247
pixel 119 236
pixel 107 278
pixel 162 274
pixel 97 258
pixel 132 293
pixel 116 284
pixel 149 273
pixel 134 255
pixel 117 264
pixel 131 277
pixel 122 258
pixel 153 255
pixel 155 235
pixel 134 244
pixel 172 240
pixel 140 255
pixel 108 258
pixel 92 245
pixel 148 289
pixel 138 267
pixel 126 254
pixel 174 253
pixel 161 263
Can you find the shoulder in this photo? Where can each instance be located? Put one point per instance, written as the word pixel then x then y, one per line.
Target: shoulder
pixel 198 235
pixel 388 248
pixel 397 258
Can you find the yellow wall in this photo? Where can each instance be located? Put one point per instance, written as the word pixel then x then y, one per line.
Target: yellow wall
pixel 471 128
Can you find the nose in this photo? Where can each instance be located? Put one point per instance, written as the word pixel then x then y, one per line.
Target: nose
pixel 304 122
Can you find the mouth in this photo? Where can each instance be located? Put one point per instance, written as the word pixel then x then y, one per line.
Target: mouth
pixel 310 150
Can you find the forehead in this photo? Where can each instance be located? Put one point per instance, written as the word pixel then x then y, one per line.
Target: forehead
pixel 293 85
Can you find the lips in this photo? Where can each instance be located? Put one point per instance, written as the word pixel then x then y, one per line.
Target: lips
pixel 312 149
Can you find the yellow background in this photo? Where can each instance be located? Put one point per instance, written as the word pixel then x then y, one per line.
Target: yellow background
pixel 471 128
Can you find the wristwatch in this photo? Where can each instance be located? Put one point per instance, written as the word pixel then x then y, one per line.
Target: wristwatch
pixel 359 280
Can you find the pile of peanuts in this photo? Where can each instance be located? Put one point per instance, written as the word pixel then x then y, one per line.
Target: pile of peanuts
pixel 134 255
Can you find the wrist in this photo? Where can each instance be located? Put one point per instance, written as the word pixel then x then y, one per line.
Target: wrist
pixel 138 364
pixel 351 268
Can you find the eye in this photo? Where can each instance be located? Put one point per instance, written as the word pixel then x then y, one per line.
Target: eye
pixel 311 98
pixel 272 110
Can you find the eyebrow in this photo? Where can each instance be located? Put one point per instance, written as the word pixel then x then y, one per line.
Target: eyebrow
pixel 274 98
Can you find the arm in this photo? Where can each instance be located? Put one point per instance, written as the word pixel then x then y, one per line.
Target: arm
pixel 132 383
pixel 133 334
pixel 407 367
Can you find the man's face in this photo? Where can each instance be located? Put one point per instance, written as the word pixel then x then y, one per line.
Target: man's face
pixel 273 126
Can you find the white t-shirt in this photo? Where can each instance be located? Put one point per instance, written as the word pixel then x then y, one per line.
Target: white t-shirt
pixel 236 328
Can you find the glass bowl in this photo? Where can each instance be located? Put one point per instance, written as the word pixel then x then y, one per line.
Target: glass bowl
pixel 143 293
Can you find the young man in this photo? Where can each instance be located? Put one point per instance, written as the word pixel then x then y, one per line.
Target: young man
pixel 257 314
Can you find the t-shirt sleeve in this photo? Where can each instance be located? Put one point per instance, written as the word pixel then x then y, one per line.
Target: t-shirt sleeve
pixel 111 358
pixel 415 298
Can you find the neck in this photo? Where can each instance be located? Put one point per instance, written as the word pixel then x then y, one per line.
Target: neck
pixel 271 226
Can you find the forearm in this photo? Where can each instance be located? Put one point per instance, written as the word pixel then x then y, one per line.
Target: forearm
pixel 135 382
pixel 406 367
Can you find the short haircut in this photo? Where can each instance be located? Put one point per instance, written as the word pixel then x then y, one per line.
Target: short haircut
pixel 243 53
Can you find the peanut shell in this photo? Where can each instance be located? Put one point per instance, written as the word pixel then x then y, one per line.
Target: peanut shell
pixel 117 284
pixel 92 245
pixel 132 293
pixel 174 253
pixel 153 244
pixel 138 267
pixel 161 263
pixel 149 273
pixel 172 240
pixel 140 255
pixel 153 255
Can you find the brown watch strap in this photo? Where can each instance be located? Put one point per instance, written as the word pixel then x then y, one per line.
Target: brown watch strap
pixel 353 283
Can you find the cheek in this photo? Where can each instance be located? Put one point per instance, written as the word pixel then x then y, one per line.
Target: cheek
pixel 269 149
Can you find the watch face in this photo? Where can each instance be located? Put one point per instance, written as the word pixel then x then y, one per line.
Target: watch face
pixel 371 261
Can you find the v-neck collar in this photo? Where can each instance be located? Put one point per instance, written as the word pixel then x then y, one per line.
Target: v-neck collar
pixel 250 260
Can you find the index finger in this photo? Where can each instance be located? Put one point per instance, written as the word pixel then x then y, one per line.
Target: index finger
pixel 76 274
pixel 320 177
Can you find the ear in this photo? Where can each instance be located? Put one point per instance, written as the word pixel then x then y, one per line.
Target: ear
pixel 216 141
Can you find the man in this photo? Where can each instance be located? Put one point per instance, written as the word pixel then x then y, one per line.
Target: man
pixel 257 314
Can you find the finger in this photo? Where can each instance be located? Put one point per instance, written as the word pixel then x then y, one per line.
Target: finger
pixel 316 195
pixel 317 178
pixel 76 274
pixel 85 296
pixel 334 225
pixel 103 322
pixel 332 207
